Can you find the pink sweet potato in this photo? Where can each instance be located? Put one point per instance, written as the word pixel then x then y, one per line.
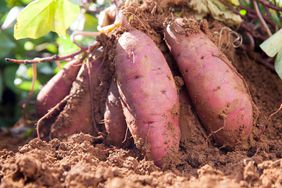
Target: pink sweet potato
pixel 113 117
pixel 148 95
pixel 217 90
pixel 78 114
pixel 57 88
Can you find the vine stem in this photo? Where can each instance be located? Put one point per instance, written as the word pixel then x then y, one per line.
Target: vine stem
pixel 45 59
pixel 270 5
pixel 264 25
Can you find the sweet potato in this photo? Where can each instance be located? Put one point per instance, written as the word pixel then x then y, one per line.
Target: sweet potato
pixel 78 114
pixel 148 96
pixel 217 90
pixel 77 110
pixel 114 119
pixel 57 88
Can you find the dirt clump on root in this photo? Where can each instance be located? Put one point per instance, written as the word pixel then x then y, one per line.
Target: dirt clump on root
pixel 82 161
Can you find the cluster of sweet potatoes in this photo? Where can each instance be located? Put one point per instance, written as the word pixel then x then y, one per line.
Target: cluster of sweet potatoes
pixel 143 100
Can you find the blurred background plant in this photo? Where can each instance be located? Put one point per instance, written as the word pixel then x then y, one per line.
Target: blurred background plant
pixel 16 80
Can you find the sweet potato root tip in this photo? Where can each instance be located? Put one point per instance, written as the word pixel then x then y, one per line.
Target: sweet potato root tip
pixel 114 119
pixel 44 124
pixel 149 96
pixel 217 90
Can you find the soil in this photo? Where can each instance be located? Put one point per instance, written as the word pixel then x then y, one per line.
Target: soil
pixel 83 161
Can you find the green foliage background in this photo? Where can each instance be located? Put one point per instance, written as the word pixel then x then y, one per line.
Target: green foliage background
pixel 16 80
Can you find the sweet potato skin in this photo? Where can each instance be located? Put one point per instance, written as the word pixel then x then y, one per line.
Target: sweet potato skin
pixel 113 117
pixel 217 90
pixel 57 88
pixel 78 114
pixel 148 95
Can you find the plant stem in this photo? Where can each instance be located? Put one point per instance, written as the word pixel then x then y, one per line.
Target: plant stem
pixel 270 5
pixel 264 25
pixel 48 59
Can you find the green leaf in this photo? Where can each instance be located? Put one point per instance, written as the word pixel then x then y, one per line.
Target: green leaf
pixel 42 16
pixel 66 46
pixel 91 23
pixel 23 79
pixel 278 64
pixel 26 85
pixel 273 44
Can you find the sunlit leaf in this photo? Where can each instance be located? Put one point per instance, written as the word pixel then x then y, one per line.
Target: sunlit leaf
pixel 91 23
pixel 78 24
pixel 42 16
pixel 23 79
pixel 278 64
pixel 66 46
pixel 26 85
pixel 273 44
pixel 11 17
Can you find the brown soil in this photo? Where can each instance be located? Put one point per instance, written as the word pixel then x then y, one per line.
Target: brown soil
pixel 83 161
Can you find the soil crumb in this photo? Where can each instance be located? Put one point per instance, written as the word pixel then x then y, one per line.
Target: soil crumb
pixel 76 162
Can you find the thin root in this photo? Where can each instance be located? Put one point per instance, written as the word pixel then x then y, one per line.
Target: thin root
pixel 263 23
pixel 59 65
pixel 274 113
pixel 125 136
pixel 132 14
pixel 216 131
pixel 84 34
pixel 34 78
pixel 237 42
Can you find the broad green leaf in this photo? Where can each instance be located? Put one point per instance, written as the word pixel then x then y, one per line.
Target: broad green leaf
pixel 78 24
pixel 91 23
pixel 23 79
pixel 11 17
pixel 42 16
pixel 278 64
pixel 275 17
pixel 66 46
pixel 26 85
pixel 273 44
